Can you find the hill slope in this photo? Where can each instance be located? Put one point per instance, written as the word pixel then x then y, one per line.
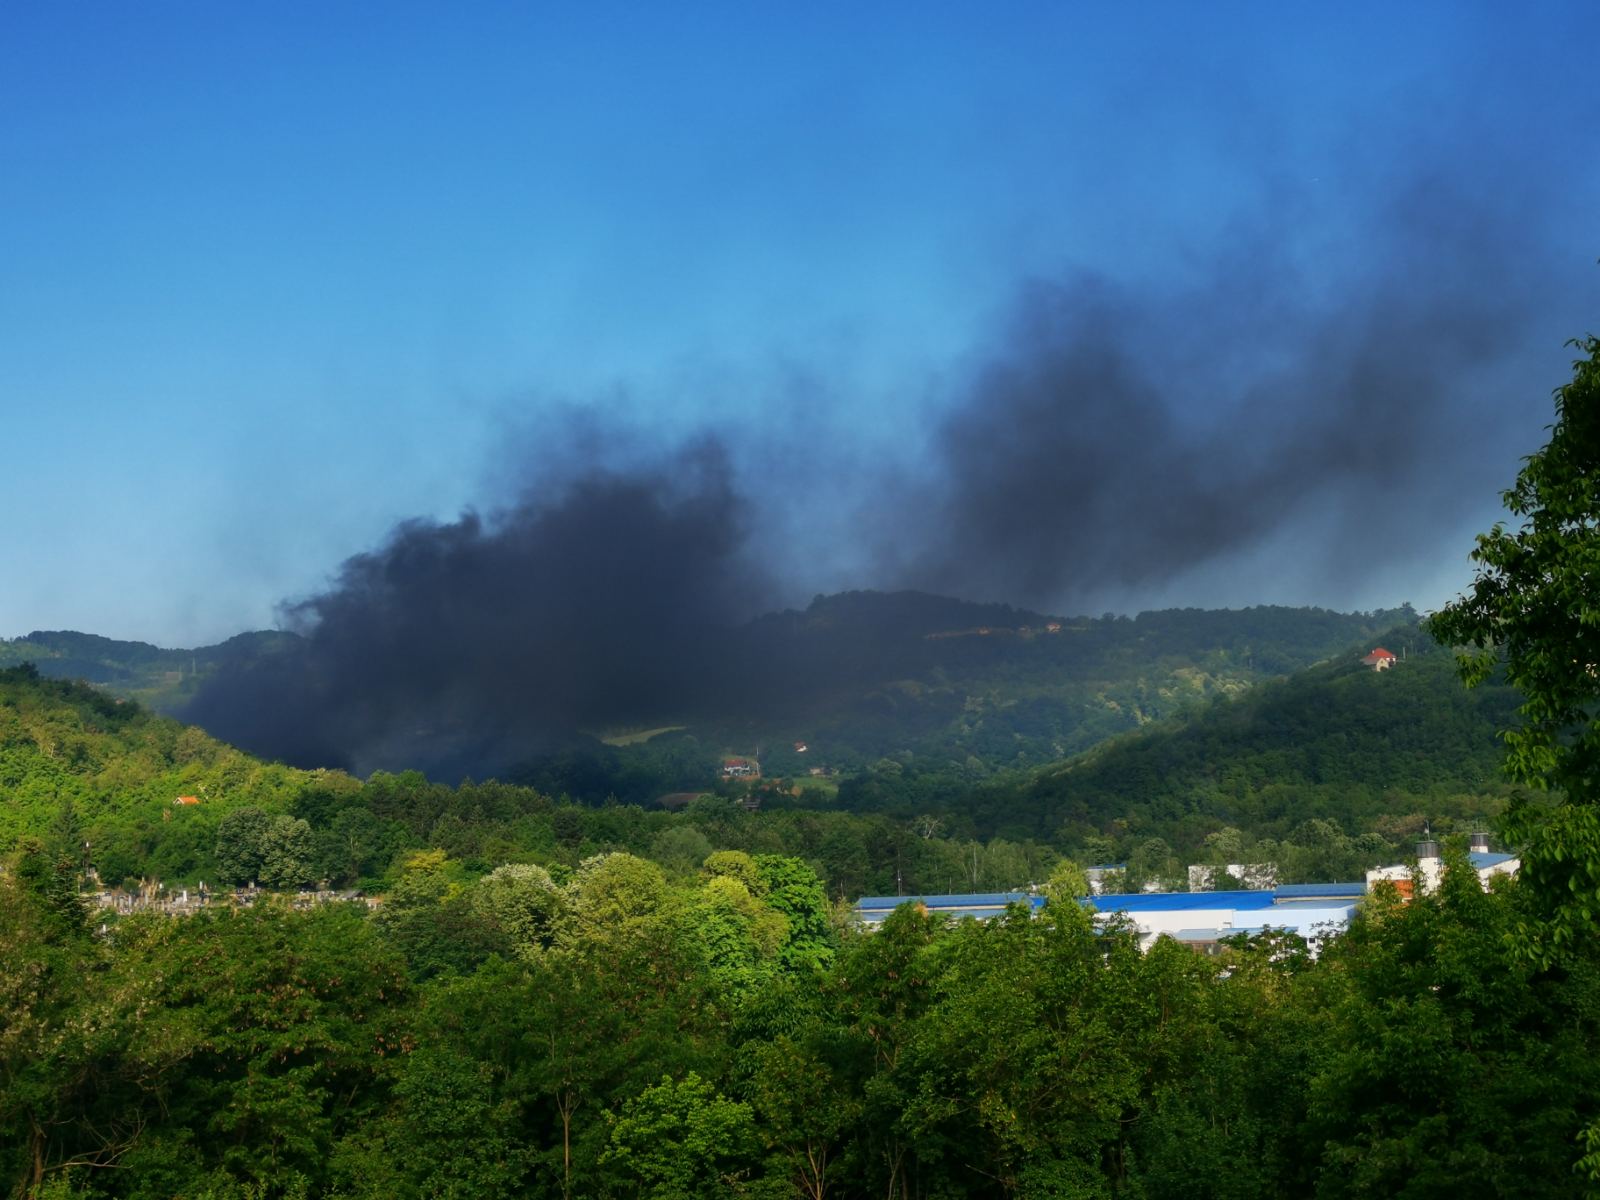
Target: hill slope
pixel 1365 749
pixel 159 678
pixel 855 677
pixel 860 677
pixel 77 764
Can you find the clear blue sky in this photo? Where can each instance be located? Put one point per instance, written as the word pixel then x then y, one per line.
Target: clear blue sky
pixel 275 277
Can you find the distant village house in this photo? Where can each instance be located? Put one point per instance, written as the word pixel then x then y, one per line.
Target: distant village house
pixel 1379 660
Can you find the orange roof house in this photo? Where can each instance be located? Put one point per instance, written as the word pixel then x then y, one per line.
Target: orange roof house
pixel 186 800
pixel 1379 660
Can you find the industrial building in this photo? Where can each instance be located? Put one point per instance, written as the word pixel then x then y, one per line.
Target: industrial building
pixel 1202 919
pixel 1198 919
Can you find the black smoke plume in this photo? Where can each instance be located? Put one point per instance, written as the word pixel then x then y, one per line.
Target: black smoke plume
pixel 467 645
pixel 1121 437
pixel 1115 438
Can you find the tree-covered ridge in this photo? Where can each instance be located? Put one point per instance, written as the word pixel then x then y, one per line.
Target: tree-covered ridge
pixel 623 1033
pixel 1339 741
pixel 863 675
pixel 78 764
pixel 855 676
pixel 1326 774
pixel 1367 751
pixel 163 679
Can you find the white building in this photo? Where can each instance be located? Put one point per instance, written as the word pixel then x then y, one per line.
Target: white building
pixel 1430 866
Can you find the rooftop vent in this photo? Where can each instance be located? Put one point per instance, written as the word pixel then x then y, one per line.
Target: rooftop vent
pixel 1479 843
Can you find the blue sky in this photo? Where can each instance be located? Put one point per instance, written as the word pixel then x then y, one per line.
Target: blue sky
pixel 273 279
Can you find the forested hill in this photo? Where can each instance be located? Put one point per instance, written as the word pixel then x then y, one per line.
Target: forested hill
pixel 864 676
pixel 80 765
pixel 856 677
pixel 1364 749
pixel 162 678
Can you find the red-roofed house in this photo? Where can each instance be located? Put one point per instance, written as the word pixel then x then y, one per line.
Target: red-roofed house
pixel 1379 660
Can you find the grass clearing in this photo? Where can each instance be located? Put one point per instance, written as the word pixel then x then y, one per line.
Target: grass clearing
pixel 637 736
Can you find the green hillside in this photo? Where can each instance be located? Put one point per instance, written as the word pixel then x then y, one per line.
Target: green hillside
pixel 162 679
pixel 1340 742
pixel 1185 752
pixel 77 764
pixel 862 679
pixel 952 693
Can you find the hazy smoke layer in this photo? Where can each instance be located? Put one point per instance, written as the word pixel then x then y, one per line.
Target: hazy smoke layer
pixel 472 643
pixel 1120 437
pixel 1115 437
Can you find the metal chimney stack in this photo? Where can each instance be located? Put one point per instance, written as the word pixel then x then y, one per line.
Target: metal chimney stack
pixel 1428 849
pixel 1479 843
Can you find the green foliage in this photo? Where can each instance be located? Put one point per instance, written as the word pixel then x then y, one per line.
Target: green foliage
pixel 274 850
pixel 682 1141
pixel 1452 1062
pixel 614 898
pixel 792 889
pixel 522 904
pixel 78 765
pixel 1533 606
pixel 1359 749
pixel 1067 882
pixel 739 935
pixel 1534 611
pixel 267 1052
pixel 601 1017
pixel 431 919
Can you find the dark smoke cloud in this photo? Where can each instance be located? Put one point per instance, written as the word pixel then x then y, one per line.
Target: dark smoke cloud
pixel 470 644
pixel 1122 437
pixel 1117 436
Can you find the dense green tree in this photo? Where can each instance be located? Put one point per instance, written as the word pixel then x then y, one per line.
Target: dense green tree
pixel 736 864
pixel 738 934
pixel 799 1088
pixel 430 918
pixel 614 898
pixel 241 841
pixel 354 844
pixel 680 849
pixel 1534 611
pixel 286 852
pixel 792 889
pixel 523 905
pixel 682 1140
pixel 452 1134
pixel 292 1019
pixel 1452 1063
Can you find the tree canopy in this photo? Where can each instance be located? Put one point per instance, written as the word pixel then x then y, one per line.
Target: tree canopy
pixel 1534 612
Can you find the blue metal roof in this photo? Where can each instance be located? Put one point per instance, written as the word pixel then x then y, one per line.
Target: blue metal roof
pixel 1484 858
pixel 1319 891
pixel 1180 901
